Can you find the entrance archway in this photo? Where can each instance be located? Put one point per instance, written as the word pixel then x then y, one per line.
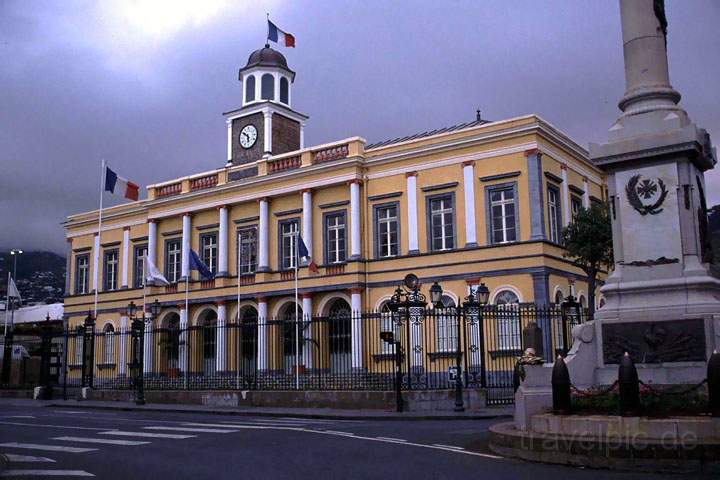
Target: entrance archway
pixel 340 336
pixel 290 326
pixel 207 332
pixel 248 325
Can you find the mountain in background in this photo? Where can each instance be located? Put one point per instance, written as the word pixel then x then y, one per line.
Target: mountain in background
pixel 40 276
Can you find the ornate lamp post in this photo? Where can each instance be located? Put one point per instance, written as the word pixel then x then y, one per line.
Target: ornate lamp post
pixel 15 252
pixel 570 310
pixel 473 308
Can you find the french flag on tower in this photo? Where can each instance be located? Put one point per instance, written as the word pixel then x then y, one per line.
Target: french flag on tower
pixel 280 37
pixel 120 186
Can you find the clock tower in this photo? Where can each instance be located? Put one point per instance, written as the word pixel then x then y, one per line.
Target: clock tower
pixel 266 124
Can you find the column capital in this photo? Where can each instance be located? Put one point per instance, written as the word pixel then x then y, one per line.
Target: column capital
pixel 220 303
pixel 563 166
pixel 473 281
pixel 355 290
pixel 180 306
pixel 468 163
pixel 356 181
pixel 261 299
pixel 96 234
pixel 187 214
pixel 220 207
pixel 126 229
pixel 152 220
pixel 411 174
pixel 306 295
pixel 228 122
pixel 263 199
pixel 306 190
pixel 533 151
pixel 584 179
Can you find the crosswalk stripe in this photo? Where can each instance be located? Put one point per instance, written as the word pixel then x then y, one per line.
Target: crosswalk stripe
pixel 49 448
pixel 18 416
pixel 146 434
pixel 46 473
pixel 12 457
pixel 107 441
pixel 224 426
pixel 190 429
pixel 391 439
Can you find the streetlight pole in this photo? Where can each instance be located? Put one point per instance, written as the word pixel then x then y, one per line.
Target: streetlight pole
pixel 15 252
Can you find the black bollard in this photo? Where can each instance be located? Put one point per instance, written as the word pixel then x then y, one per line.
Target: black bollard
pixel 713 381
pixel 561 387
pixel 629 384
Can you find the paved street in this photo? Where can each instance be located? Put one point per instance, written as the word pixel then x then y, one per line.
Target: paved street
pixel 45 441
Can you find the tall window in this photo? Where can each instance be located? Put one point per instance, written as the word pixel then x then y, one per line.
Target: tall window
pixel 387 231
pixel 79 344
pixel 388 324
pixel 447 326
pixel 288 238
pixel 82 274
pixel 554 213
pixel 508 320
pixel 502 214
pixel 111 270
pixel 335 237
pixel 284 90
pixel 208 249
pixel 109 343
pixel 575 205
pixel 267 87
pixel 250 88
pixel 441 223
pixel 173 259
pixel 247 250
pixel 140 252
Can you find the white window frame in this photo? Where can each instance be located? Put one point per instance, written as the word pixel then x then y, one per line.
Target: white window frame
pixel 209 250
pixel 446 216
pixel 385 219
pixel 509 334
pixel 289 231
pixel 174 260
pixel 554 213
pixel 335 232
pixel 247 250
pixel 447 322
pixel 503 203
pixel 109 343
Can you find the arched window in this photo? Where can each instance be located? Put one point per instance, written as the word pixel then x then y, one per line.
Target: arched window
pixel 170 341
pixel 339 336
pixel 284 90
pixel 387 325
pixel 447 323
pixel 289 336
pixel 508 320
pixel 250 88
pixel 267 87
pixel 208 331
pixel 248 338
pixel 109 343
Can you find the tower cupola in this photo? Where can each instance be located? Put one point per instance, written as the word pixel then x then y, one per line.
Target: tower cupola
pixel 266 77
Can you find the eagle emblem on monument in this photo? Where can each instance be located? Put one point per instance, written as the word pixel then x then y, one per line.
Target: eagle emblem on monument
pixel 646 195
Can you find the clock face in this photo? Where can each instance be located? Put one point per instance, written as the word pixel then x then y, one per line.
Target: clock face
pixel 248 136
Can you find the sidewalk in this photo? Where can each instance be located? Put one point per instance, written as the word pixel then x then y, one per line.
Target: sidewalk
pixel 322 413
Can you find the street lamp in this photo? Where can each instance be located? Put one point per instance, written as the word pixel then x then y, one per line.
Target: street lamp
pixel 137 331
pixel 436 292
pixel 570 310
pixel 15 252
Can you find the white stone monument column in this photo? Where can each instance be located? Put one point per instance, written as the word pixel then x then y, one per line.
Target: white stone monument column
pixel 223 242
pixel 355 242
pixel 412 214
pixel 356 329
pixel 220 338
pixel 263 239
pixel 307 307
pixel 262 337
pixel 186 242
pixel 125 258
pixel 123 356
pixel 566 210
pixel 469 191
pixel 96 262
pixel 307 220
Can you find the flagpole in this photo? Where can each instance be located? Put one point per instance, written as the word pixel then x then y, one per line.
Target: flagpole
pixel 297 320
pixel 187 327
pixel 97 254
pixel 267 38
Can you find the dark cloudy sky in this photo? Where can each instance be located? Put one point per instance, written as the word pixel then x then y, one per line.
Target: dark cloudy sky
pixel 142 83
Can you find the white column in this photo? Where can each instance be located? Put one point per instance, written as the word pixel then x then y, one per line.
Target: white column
pixel 411 190
pixel 223 243
pixel 220 343
pixel 262 338
pixel 125 258
pixel 307 220
pixel 277 87
pixel 586 195
pixel 267 131
pixel 355 245
pixel 302 135
pixel 229 139
pixel 152 241
pixel 307 307
pixel 567 214
pixel 148 348
pixel 263 237
pixel 96 262
pixel 356 327
pixel 469 190
pixel 123 357
pixel 184 338
pixel 186 238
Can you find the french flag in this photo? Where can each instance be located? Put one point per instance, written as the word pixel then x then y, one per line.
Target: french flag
pixel 280 37
pixel 120 186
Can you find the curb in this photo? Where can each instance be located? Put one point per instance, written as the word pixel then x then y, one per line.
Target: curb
pixel 323 416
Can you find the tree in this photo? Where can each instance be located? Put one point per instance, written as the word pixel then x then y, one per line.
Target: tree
pixel 588 243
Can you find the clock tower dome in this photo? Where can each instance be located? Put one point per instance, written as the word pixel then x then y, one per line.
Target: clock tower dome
pixel 265 124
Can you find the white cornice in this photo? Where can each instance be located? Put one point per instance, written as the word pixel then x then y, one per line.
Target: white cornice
pixel 105 228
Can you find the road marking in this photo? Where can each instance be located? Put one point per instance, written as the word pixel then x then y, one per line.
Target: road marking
pixel 50 426
pixel 12 457
pixel 335 432
pixel 71 412
pixel 225 426
pixel 190 429
pixel 107 441
pixel 391 439
pixel 447 446
pixel 145 434
pixel 19 416
pixel 49 448
pixel 48 473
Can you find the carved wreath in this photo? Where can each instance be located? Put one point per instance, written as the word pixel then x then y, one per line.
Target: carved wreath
pixel 647 189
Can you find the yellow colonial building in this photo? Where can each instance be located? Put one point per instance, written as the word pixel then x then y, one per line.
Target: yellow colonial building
pixel 478 201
